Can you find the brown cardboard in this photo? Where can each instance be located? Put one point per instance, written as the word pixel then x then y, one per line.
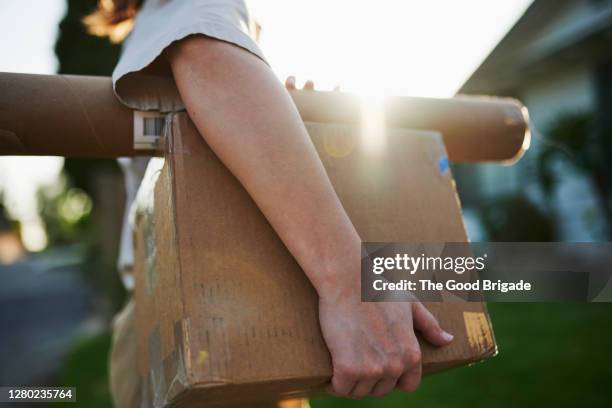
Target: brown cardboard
pixel 474 128
pixel 79 116
pixel 63 115
pixel 225 315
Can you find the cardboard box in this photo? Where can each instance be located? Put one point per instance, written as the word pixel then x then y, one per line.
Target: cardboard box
pixel 224 314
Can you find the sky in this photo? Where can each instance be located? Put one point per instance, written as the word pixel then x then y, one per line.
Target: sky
pixel 27 39
pixel 398 47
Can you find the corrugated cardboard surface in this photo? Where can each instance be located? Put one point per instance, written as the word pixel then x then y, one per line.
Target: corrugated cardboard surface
pixel 225 314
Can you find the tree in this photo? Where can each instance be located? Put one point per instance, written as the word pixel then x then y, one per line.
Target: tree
pixel 577 138
pixel 80 53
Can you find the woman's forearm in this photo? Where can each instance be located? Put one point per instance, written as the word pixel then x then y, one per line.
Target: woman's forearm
pixel 247 117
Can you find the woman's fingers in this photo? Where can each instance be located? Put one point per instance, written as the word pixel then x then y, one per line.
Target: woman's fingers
pixel 384 386
pixel 330 390
pixel 363 388
pixel 309 85
pixel 429 327
pixel 290 83
pixel 411 379
pixel 342 384
pixel 372 378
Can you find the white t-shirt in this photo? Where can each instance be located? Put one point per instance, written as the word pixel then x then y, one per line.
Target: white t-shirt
pixel 142 81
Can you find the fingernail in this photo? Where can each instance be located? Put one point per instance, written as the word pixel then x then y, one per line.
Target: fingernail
pixel 447 336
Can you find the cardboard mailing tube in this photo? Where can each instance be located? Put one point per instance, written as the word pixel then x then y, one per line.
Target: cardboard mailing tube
pixel 63 115
pixel 79 116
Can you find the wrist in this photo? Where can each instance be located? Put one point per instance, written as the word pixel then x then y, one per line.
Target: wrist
pixel 338 279
pixel 332 262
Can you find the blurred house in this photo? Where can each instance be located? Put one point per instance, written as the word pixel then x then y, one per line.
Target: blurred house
pixel 557 59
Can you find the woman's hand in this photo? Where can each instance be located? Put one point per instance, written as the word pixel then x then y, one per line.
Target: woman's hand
pixel 290 84
pixel 373 346
pixel 308 85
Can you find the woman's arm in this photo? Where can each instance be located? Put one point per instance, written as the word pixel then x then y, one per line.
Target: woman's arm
pixel 248 119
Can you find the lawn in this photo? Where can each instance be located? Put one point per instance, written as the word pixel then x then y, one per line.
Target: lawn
pixel 549 354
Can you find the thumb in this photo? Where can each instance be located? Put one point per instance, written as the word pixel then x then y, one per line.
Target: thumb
pixel 428 325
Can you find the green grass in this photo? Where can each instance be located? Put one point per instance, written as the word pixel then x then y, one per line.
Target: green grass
pixel 549 354
pixel 86 368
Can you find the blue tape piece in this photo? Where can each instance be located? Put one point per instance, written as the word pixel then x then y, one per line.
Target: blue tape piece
pixel 443 164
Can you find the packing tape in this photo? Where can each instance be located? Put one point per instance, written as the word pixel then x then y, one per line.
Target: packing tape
pixel 167 376
pixel 478 331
